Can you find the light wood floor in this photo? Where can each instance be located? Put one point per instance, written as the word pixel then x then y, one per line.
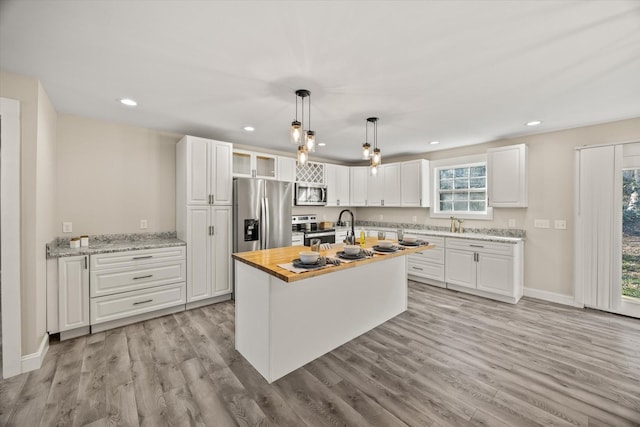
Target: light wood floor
pixel 451 359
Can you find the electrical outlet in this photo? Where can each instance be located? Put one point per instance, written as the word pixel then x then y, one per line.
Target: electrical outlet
pixel 143 224
pixel 560 224
pixel 512 222
pixel 414 218
pixel 67 227
pixel 380 217
pixel 541 223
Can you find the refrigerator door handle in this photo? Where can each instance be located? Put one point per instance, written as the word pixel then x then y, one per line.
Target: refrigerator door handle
pixel 267 225
pixel 262 223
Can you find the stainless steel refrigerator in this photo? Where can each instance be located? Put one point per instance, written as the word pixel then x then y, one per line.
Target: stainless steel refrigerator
pixel 261 214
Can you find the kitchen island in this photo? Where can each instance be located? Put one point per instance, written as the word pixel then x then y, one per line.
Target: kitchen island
pixel 285 319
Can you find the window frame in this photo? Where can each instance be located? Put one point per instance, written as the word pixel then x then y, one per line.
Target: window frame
pixel 459 162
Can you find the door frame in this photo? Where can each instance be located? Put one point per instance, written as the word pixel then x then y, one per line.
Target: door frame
pixel 10 237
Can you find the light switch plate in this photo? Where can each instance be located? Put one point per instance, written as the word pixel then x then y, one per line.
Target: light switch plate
pixel 512 222
pixel 541 223
pixel 67 227
pixel 560 224
pixel 143 224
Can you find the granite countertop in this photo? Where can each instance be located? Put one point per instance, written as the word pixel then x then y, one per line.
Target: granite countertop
pixel 499 235
pixel 107 243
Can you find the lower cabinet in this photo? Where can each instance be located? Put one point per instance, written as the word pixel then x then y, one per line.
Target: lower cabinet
pixel 490 269
pixel 428 266
pixel 73 292
pixel 297 240
pixel 208 237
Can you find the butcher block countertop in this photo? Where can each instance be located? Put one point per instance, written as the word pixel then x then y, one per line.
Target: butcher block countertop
pixel 267 260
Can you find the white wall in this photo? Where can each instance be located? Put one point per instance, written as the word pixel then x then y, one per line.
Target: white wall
pixel 38 124
pixel 110 176
pixel 548 252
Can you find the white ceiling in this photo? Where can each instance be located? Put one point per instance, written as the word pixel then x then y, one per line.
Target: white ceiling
pixel 460 72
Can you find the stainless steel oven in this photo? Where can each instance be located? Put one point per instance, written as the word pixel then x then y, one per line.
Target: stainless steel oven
pixel 325 236
pixel 309 194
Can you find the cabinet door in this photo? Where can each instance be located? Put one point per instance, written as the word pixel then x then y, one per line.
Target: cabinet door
pixel 342 185
pixel 73 288
pixel 197 171
pixel 242 164
pixel 495 273
pixel 415 183
pixel 331 179
pixel 507 176
pixel 375 187
pixel 221 257
pixel 358 185
pixel 198 254
pixel 460 268
pixel 286 169
pixel 265 166
pixel 392 188
pixel 221 181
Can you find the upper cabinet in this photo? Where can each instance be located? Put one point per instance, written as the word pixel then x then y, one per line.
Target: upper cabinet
pixel 203 167
pixel 507 176
pixel 286 169
pixel 358 185
pixel 248 164
pixel 375 187
pixel 383 189
pixel 415 183
pixel 337 179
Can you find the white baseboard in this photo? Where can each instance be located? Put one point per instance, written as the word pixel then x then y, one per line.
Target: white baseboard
pixel 549 296
pixel 33 361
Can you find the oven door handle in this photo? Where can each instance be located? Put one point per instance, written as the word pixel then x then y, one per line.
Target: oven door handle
pixel 314 235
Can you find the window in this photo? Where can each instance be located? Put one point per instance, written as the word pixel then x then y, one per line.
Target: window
pixel 460 189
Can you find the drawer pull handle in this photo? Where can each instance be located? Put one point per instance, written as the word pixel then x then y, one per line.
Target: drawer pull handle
pixel 143 277
pixel 143 257
pixel 476 246
pixel 142 302
pixel 420 253
pixel 417 268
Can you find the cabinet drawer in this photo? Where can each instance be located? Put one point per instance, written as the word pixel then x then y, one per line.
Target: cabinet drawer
pixel 426 269
pixel 136 258
pixel 435 255
pixel 480 246
pixel 112 307
pixel 115 280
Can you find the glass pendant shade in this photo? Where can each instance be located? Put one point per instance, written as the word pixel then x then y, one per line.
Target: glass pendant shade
pixel 303 154
pixel 376 159
pixel 374 170
pixel 366 151
pixel 296 132
pixel 311 140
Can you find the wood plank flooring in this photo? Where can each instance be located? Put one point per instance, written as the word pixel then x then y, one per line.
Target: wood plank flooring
pixel 450 360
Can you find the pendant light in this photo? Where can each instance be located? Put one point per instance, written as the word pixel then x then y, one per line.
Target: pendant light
pixel 366 147
pixel 376 157
pixel 304 139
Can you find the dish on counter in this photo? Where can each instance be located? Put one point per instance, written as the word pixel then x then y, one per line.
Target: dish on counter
pixel 352 249
pixel 321 262
pixel 344 255
pixel 309 257
pixel 414 243
pixel 385 243
pixel 380 249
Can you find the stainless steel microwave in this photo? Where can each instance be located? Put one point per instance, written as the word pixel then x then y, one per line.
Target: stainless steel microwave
pixel 310 194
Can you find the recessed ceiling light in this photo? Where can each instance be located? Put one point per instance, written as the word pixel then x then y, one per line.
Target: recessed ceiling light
pixel 534 123
pixel 434 142
pixel 322 144
pixel 128 102
pixel 249 128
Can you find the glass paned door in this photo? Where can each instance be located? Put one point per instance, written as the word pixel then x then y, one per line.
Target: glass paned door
pixel 631 234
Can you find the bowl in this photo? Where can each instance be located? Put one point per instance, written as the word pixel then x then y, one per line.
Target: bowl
pixel 409 239
pixel 309 257
pixel 385 243
pixel 351 249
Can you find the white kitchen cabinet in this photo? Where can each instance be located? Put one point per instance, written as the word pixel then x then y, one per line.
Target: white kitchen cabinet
pixel 490 269
pixel 415 183
pixel 507 176
pixel 428 266
pixel 73 292
pixel 208 232
pixel 341 235
pixel 297 240
pixel 337 178
pixel 358 177
pixel 383 189
pixel 249 164
pixel 203 168
pixel 129 284
pixel 286 169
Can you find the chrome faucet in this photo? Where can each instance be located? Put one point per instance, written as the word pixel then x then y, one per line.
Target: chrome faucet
pixel 351 235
